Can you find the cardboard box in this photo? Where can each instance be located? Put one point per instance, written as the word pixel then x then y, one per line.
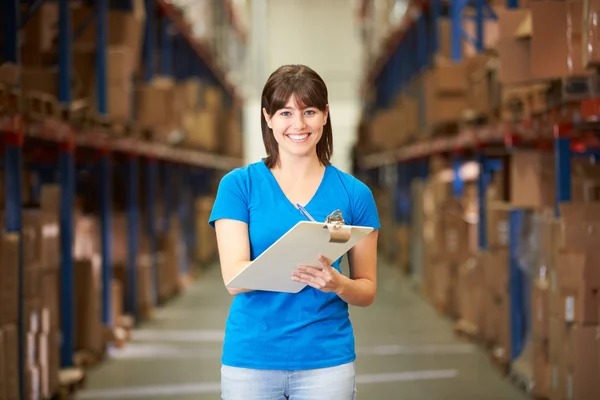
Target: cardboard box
pixel 556 344
pixel 89 331
pixel 579 226
pixel 540 310
pixel 498 224
pixel 442 107
pixel 542 369
pixel 514 53
pixel 124 29
pixel 483 90
pixel 155 104
pixel 497 268
pixel 471 290
pixel 40 33
pixel 556 43
pixel 582 363
pixel 578 277
pixel 10 351
pixel 528 189
pixel 9 282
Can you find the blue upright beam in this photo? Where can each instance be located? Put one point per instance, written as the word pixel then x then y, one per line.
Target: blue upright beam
pixel 101 40
pixel 106 237
pixel 13 160
pixel 479 21
pixel 151 194
pixel 166 57
pixel 149 40
pixel 131 303
pixel 435 12
pixel 512 4
pixel 458 185
pixel 10 22
pixel 67 310
pixel 64 52
pixel 482 184
pixel 562 173
pixel 518 282
pixel 167 190
pixel 456 8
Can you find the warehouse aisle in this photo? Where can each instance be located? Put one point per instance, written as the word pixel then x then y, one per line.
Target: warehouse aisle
pixel 405 351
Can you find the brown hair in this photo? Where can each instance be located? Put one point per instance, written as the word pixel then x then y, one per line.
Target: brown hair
pixel 310 90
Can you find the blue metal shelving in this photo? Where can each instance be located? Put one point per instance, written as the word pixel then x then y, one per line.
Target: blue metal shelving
pixel 181 56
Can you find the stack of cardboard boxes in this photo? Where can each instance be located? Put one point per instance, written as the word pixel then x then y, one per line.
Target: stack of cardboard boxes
pixel 573 305
pixel 200 125
pixel 206 244
pixel 41 319
pixel 9 316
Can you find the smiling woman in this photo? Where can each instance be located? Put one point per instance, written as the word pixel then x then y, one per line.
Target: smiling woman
pixel 293 346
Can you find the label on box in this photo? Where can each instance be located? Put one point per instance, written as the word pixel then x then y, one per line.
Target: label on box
pixel 503 233
pixel 570 309
pixel 452 241
pixel 570 386
pixel 554 377
pixel 50 230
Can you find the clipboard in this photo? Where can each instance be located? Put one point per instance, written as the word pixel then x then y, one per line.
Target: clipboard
pixel 301 245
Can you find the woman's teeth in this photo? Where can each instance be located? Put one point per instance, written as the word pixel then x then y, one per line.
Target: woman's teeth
pixel 298 138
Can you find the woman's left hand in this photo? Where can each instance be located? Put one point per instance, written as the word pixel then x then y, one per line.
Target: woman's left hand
pixel 327 279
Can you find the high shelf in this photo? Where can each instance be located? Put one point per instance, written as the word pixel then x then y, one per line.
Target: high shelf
pixel 57 149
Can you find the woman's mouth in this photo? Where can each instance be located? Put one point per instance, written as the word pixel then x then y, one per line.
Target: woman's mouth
pixel 298 137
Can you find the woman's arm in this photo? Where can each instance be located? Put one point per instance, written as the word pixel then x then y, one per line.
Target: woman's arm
pixel 360 289
pixel 234 249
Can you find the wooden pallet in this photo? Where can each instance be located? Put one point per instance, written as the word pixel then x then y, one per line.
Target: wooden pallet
pixel 521 379
pixel 9 99
pixel 86 358
pixel 500 359
pixel 71 380
pixel 523 102
pixel 40 106
pixel 466 330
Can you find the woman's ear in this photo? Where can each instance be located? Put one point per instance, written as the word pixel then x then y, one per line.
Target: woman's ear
pixel 326 114
pixel 267 117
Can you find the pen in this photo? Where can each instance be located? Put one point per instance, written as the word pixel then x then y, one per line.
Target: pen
pixel 305 213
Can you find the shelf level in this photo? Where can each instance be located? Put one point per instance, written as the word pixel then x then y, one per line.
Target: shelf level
pixel 55 131
pixel 466 139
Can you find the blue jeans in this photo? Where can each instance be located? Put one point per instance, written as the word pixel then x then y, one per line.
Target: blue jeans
pixel 335 383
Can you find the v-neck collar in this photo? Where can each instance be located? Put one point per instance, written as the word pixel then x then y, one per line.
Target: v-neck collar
pixel 281 193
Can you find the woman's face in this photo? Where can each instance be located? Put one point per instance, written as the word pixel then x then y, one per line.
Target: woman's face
pixel 297 128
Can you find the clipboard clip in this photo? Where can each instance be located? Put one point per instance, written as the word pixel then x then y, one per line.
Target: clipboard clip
pixel 338 231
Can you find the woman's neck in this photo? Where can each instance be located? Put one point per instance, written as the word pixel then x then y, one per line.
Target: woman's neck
pixel 298 168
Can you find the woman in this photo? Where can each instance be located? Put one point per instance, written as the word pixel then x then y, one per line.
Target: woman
pixel 281 345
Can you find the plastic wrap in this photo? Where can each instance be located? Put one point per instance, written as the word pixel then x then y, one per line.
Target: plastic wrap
pixel 529 243
pixel 590 34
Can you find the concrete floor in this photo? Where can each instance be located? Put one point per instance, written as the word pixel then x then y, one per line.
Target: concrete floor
pixel 405 351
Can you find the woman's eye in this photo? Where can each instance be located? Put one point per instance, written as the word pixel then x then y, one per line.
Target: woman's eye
pixel 286 114
pixel 310 112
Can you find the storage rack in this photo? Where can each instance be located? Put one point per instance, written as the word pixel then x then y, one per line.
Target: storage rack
pixel 575 136
pixel 56 146
pixel 395 67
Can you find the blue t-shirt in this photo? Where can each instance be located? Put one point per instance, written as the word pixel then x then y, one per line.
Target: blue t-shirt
pixel 285 331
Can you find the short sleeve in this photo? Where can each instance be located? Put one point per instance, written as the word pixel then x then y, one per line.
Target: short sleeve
pixel 364 209
pixel 231 201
